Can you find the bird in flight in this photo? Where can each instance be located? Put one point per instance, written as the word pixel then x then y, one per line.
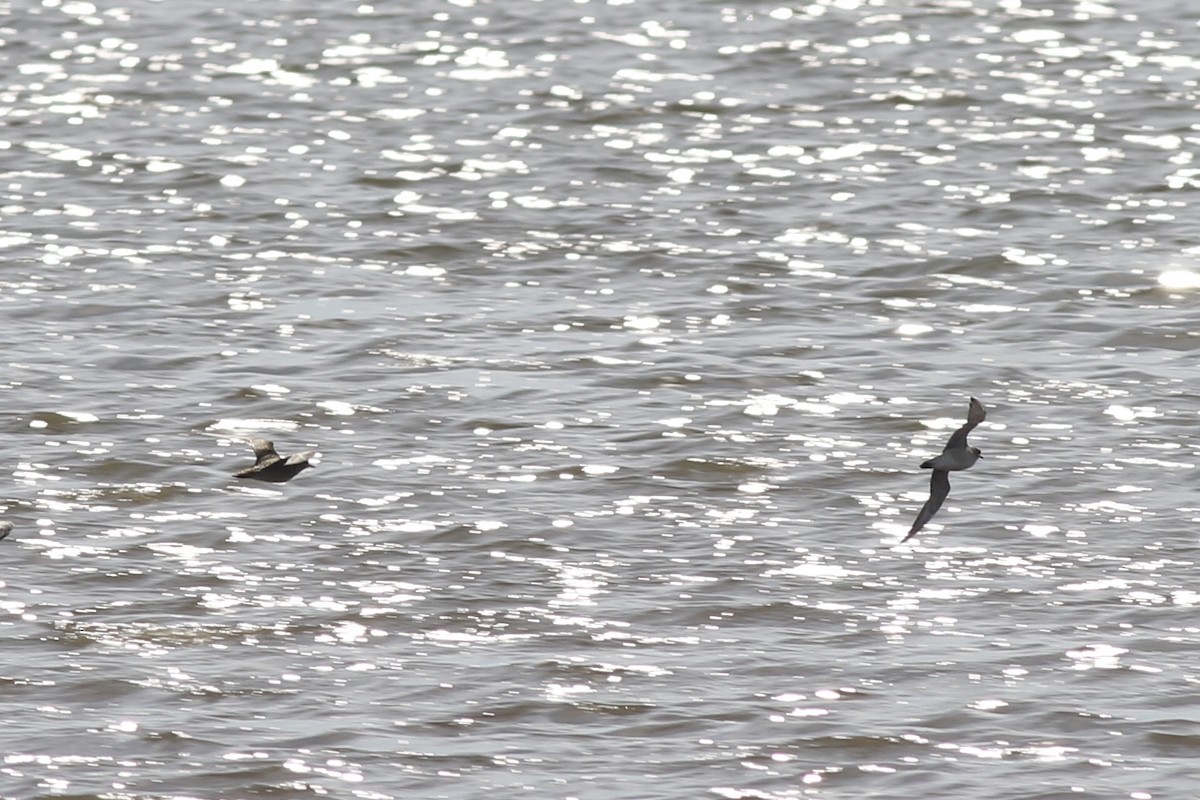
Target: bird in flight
pixel 955 456
pixel 271 467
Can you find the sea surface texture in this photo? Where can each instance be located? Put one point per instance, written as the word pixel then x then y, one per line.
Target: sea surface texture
pixel 621 330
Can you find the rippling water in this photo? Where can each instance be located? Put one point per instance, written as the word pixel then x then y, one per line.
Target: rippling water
pixel 621 329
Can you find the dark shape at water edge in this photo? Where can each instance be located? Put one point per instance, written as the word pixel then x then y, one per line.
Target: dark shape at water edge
pixel 273 468
pixel 5 528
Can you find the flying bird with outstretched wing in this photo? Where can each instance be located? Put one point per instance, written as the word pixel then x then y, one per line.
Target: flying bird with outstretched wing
pixel 955 456
pixel 271 467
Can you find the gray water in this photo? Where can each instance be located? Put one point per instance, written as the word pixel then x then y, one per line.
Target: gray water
pixel 621 329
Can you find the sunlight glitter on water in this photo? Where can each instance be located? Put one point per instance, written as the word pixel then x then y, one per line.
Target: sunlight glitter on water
pixel 755 230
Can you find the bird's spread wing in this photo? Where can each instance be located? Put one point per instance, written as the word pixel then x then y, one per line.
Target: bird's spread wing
pixel 975 415
pixel 939 488
pixel 300 458
pixel 263 450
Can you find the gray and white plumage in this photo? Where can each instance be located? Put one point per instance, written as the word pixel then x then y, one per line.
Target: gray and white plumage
pixel 957 454
pixel 271 467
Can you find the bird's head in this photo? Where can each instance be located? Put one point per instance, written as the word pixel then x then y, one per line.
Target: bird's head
pixel 978 453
